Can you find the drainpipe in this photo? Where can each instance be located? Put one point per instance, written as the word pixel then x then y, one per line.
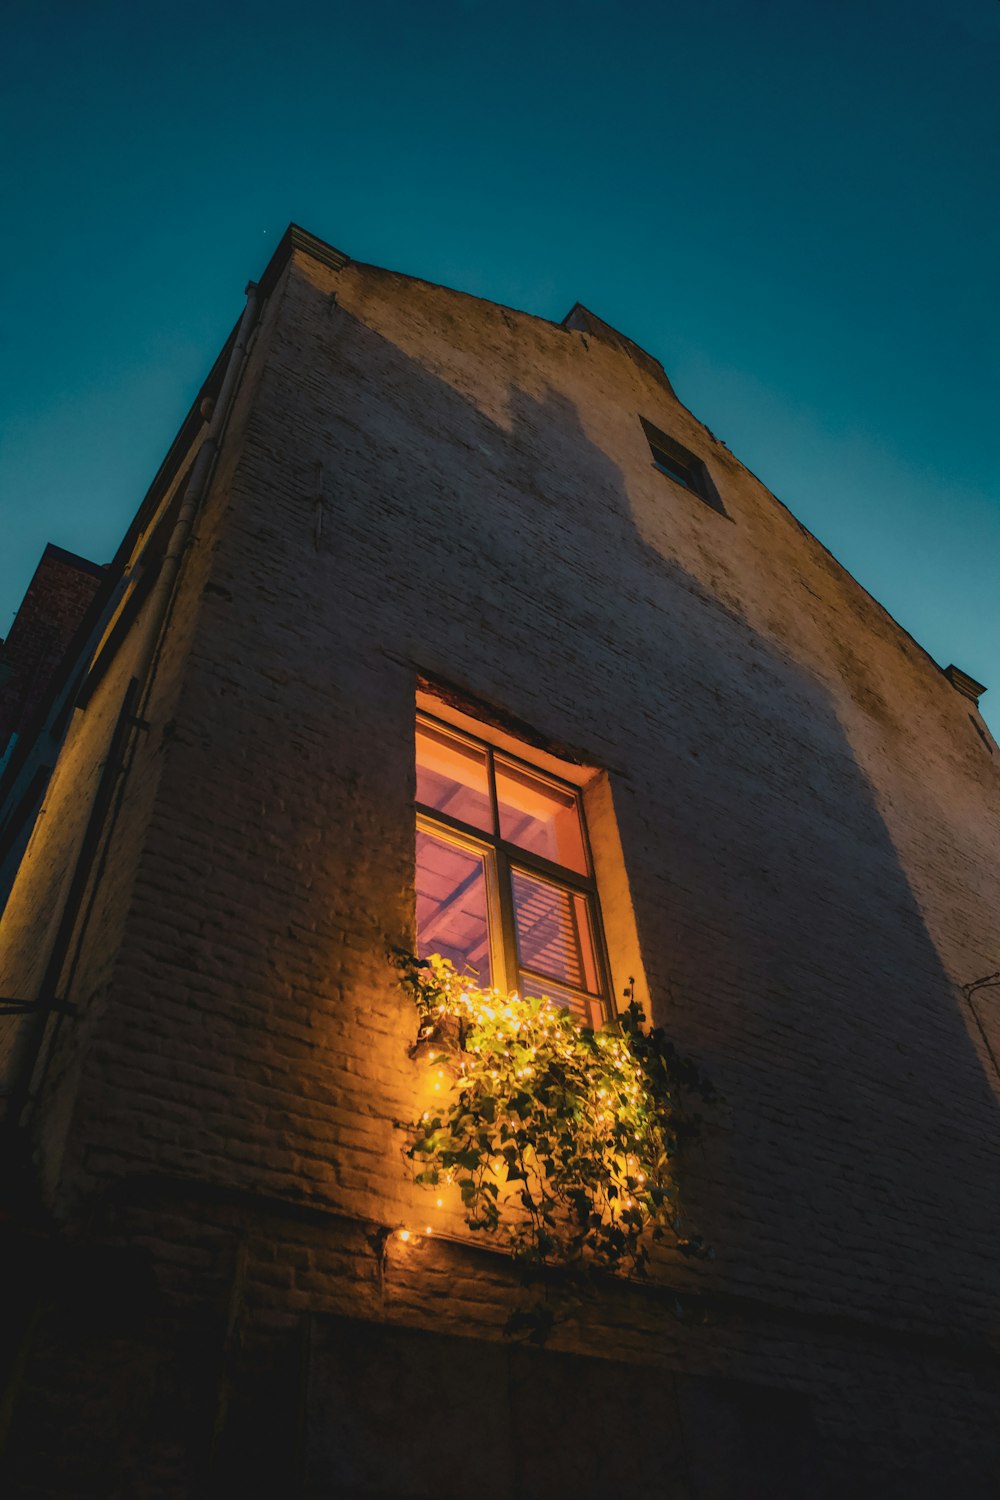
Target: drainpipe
pixel 121 748
pixel 201 473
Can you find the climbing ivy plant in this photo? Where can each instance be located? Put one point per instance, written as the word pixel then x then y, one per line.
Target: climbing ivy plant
pixel 559 1138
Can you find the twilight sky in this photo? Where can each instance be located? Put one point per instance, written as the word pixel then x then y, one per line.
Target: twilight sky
pixel 793 205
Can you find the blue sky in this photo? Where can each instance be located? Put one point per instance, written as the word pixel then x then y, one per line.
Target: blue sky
pixel 793 205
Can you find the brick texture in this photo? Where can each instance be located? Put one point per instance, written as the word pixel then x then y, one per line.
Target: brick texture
pixel 57 597
pixel 415 483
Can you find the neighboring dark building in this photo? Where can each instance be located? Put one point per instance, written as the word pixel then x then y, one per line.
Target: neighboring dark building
pixel 56 601
pixel 445 624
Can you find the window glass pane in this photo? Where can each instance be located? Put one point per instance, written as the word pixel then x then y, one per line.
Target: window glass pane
pixel 452 777
pixel 590 1012
pixel 452 912
pixel 675 467
pixel 540 817
pixel 553 931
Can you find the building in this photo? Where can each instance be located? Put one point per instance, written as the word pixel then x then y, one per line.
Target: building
pixel 48 628
pixel 393 498
pixel 57 597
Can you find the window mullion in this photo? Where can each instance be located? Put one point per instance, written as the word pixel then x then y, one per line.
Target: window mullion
pixel 494 800
pixel 526 859
pixel 508 923
pixel 506 959
pixel 608 1002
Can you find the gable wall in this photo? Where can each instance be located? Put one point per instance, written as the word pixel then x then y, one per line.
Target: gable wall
pixel 422 483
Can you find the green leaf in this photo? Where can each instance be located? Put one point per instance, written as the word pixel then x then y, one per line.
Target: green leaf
pixel 577 1166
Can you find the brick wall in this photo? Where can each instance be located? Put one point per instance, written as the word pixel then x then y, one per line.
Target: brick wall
pixel 57 597
pixel 419 484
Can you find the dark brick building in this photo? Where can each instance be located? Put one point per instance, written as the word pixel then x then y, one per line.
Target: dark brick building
pixel 57 598
pixel 394 500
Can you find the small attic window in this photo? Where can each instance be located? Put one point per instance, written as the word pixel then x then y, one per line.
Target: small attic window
pixel 681 465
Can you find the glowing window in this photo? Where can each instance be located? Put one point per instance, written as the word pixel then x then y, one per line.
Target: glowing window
pixel 540 816
pixel 504 880
pixel 453 777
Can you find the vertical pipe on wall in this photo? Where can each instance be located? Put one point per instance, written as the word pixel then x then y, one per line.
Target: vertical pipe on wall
pixel 130 719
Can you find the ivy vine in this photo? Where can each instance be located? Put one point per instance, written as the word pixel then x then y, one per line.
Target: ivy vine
pixel 559 1138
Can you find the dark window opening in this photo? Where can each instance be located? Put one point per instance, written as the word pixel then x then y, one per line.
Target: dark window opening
pixel 682 466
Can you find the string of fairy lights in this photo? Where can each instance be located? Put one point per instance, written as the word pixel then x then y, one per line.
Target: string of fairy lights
pixel 552 1134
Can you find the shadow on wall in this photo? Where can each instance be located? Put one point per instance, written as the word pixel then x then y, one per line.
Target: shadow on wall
pixel 781 938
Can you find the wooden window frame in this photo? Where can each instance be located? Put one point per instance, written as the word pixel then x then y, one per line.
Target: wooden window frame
pixel 502 857
pixel 699 481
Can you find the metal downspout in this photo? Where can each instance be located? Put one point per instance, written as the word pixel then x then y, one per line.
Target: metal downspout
pixel 130 719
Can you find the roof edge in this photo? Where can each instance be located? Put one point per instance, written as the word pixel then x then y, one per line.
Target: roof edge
pixel 54 553
pixel 297 238
pixel 581 320
pixel 964 684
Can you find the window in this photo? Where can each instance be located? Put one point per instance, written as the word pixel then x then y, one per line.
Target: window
pixel 682 466
pixel 505 885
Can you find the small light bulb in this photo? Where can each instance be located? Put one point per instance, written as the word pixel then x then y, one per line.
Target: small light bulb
pixel 440 1203
pixel 404 1235
pixel 428 1230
